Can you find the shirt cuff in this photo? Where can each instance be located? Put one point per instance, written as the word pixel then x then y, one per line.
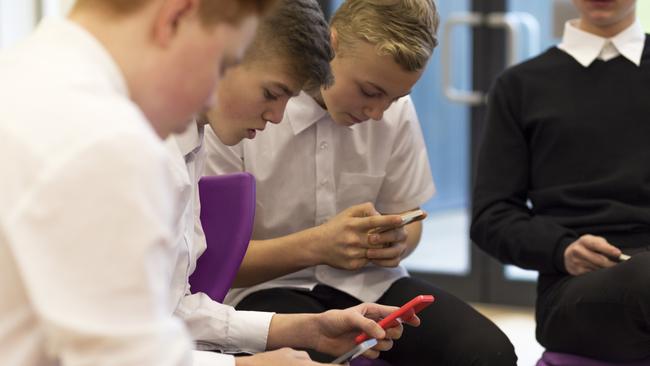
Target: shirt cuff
pixel 250 329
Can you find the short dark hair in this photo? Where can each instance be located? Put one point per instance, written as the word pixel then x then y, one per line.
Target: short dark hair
pixel 297 32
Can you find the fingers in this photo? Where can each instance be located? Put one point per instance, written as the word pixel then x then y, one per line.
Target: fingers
pixel 600 245
pixel 597 251
pixel 300 355
pixel 380 221
pixel 363 210
pixel 383 345
pixel 395 332
pixel 373 311
pixel 391 236
pixel 371 353
pixel 590 253
pixel 392 252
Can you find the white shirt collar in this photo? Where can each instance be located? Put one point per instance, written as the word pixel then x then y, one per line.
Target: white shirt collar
pixel 303 111
pixel 191 140
pixel 586 47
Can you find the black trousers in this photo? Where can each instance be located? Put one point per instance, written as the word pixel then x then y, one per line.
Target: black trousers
pixel 603 314
pixel 452 333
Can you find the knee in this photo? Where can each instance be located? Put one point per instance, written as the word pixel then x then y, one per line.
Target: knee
pixel 485 349
pixel 635 277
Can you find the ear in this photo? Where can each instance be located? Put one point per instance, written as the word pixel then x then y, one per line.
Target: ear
pixel 169 17
pixel 334 39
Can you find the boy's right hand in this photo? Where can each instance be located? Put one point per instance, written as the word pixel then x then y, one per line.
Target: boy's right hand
pixel 343 241
pixel 281 357
pixel 589 253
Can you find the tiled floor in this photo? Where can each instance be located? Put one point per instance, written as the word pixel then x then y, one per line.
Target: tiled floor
pixel 519 326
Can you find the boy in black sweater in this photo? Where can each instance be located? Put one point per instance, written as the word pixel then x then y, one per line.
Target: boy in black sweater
pixel 563 183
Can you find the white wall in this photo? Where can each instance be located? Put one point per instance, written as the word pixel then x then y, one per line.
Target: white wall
pixel 19 17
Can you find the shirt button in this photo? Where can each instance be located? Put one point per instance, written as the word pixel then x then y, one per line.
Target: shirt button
pixel 323 182
pixel 324 145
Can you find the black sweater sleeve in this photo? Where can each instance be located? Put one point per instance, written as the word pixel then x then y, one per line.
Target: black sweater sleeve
pixel 502 223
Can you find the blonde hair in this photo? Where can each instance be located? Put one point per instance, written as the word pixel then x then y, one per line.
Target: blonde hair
pixel 211 11
pixel 403 29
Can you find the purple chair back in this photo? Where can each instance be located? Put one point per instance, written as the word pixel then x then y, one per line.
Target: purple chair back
pixel 565 359
pixel 227 215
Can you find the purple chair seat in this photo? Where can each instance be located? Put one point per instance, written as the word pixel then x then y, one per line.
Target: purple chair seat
pixel 227 215
pixel 565 359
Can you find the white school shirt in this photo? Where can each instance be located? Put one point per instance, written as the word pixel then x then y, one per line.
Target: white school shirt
pixel 586 47
pixel 213 326
pixel 308 169
pixel 85 212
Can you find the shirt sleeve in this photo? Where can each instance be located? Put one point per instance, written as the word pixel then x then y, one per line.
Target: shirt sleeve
pixel 408 182
pixel 220 327
pixel 502 223
pixel 221 159
pixel 93 246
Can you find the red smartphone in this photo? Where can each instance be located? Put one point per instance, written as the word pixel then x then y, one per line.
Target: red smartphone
pixel 405 312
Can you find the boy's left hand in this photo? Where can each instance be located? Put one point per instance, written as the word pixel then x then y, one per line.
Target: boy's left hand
pixel 391 254
pixel 338 328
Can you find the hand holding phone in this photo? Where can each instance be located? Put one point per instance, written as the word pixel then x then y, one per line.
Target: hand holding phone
pixel 407 311
pixel 407 218
pixel 355 352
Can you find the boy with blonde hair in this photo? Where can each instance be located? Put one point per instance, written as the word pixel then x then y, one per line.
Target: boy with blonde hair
pixel 86 201
pixel 325 173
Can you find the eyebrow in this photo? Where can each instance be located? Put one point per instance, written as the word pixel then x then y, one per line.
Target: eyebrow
pixel 384 92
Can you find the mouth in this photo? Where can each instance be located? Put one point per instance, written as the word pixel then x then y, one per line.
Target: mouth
pixel 253 131
pixel 355 119
pixel 601 3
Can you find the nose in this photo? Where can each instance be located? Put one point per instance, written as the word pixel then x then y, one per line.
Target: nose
pixel 375 111
pixel 275 112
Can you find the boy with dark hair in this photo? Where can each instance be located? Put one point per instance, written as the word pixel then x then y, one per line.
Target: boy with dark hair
pixel 290 52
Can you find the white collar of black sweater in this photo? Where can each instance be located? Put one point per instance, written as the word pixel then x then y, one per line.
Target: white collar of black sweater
pixel 586 47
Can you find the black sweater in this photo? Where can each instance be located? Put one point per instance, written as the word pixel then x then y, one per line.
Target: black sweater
pixel 575 142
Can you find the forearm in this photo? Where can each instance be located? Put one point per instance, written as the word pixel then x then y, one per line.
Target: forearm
pixel 273 258
pixel 293 330
pixel 514 236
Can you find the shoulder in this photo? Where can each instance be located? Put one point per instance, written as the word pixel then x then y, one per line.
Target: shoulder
pixel 541 65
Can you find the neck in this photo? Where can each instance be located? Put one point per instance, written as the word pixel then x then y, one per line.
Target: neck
pixel 318 97
pixel 607 31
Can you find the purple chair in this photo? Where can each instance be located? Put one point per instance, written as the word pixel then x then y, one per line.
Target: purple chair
pixel 565 359
pixel 227 215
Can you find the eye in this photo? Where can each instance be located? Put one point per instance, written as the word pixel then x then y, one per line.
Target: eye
pixel 269 96
pixel 368 94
